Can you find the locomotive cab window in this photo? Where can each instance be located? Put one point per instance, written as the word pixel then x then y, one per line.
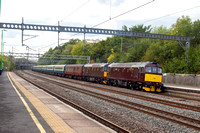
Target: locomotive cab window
pixel 159 70
pixel 148 69
pixel 154 69
pixel 105 68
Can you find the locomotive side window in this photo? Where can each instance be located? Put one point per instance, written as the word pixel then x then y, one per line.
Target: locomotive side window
pixel 142 69
pixel 148 69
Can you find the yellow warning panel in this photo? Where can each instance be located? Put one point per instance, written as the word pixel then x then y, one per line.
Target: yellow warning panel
pixel 105 74
pixel 153 78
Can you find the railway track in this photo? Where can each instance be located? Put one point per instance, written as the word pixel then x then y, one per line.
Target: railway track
pixel 176 118
pixel 183 95
pixel 141 97
pixel 169 93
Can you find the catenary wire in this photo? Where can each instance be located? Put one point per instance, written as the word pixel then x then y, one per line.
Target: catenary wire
pixel 171 14
pixel 75 10
pixel 123 13
pixel 117 15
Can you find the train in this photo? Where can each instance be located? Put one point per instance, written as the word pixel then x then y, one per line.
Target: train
pixel 145 76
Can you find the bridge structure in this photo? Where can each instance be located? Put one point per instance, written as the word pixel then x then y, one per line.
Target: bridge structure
pixel 22 26
pixel 27 60
pixel 84 30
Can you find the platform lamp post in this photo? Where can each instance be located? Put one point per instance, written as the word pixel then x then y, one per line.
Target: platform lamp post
pixel 1 63
pixel 0 7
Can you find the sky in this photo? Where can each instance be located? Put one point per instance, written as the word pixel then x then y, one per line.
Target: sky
pixel 78 13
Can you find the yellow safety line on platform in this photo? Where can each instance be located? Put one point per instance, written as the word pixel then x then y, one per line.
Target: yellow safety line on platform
pixel 56 123
pixel 28 108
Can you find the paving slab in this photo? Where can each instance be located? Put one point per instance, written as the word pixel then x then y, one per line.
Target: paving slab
pixel 14 117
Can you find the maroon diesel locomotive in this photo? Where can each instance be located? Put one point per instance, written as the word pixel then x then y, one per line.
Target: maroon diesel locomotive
pixel 136 75
pixel 95 72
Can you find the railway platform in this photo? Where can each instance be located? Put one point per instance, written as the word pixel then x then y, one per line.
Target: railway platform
pixel 182 88
pixel 25 108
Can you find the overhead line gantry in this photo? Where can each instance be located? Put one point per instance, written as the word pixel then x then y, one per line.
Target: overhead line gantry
pixel 85 30
pixel 22 26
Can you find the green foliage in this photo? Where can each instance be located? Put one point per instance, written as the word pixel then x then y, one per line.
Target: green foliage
pixel 141 28
pixel 194 60
pixel 114 56
pixel 182 27
pixel 137 50
pixel 195 39
pixel 9 63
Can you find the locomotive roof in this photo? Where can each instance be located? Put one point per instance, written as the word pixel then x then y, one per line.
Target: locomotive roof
pixel 96 65
pixel 131 64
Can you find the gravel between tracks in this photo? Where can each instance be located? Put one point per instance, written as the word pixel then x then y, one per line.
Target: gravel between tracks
pixel 132 120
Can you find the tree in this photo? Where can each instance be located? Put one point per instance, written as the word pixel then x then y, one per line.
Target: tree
pixel 160 30
pixel 78 50
pixel 114 57
pixel 98 51
pixel 140 28
pixel 182 27
pixel 137 50
pixel 195 39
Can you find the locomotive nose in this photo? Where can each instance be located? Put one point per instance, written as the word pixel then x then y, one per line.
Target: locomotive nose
pixel 153 78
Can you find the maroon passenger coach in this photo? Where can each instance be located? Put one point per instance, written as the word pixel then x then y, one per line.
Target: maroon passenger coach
pixel 74 71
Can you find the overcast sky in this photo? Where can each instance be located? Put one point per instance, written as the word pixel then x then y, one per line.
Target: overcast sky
pixel 89 13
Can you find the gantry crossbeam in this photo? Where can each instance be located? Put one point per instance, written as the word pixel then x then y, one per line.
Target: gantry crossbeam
pixel 84 30
pixel 47 56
